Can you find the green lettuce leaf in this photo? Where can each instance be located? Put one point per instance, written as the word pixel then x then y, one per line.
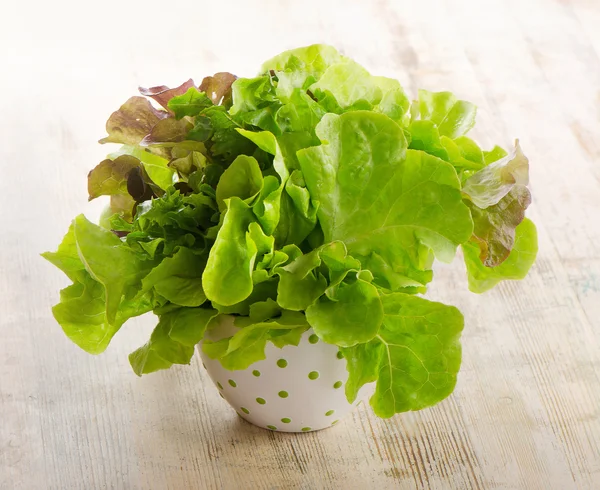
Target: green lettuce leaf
pixel 178 278
pixel 227 278
pixel 172 341
pixel 242 179
pixel 109 262
pixel 248 344
pixel 515 266
pixel 348 83
pixel 311 195
pixel 191 103
pixel 452 117
pixel 349 315
pixel 380 199
pixel 83 308
pixel 297 68
pixel 414 358
pixel 362 362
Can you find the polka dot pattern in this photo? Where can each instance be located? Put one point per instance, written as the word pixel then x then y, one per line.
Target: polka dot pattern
pixel 294 389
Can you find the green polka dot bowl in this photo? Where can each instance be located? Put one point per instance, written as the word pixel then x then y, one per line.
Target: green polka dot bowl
pixel 295 389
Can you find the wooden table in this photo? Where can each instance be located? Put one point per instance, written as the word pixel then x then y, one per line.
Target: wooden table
pixel 526 411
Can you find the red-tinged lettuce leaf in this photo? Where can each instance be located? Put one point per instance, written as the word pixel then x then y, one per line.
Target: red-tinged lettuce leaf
pixel 515 267
pixel 134 120
pixel 218 88
pixel 138 186
pixel 109 177
pixel 163 94
pixel 167 132
pixel 490 184
pixel 494 227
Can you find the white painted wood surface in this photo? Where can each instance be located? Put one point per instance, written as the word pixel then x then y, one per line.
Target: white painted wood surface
pixel 526 412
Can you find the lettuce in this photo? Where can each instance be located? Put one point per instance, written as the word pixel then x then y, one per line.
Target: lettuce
pixel 313 195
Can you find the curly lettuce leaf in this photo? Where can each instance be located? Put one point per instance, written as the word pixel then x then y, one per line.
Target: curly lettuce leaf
pixel 227 278
pixel 348 86
pixel 242 179
pixel 382 200
pixel 351 314
pixel 348 83
pixel 452 117
pixel 414 358
pixel 247 345
pixel 96 305
pixel 250 95
pixel 173 340
pixel 298 68
pixel 108 261
pixel 178 278
pixel 223 142
pixel 284 208
pixel 191 103
pixel 514 267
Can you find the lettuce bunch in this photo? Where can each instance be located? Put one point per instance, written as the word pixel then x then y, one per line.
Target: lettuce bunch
pixel 313 195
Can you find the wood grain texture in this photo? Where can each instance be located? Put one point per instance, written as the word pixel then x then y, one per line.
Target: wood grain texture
pixel 526 411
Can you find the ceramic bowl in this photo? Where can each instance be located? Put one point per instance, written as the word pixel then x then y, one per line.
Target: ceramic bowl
pixel 295 389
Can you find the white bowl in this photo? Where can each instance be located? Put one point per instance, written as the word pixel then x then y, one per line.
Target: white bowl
pixel 295 389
